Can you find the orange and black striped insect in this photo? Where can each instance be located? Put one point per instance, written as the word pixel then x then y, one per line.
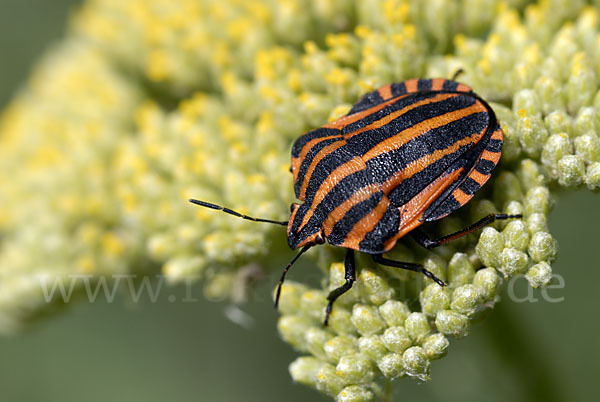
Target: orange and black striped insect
pixel 405 154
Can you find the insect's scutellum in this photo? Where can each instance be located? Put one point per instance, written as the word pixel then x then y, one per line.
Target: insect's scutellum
pixel 405 154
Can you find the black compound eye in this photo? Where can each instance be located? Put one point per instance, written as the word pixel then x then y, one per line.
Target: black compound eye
pixel 292 207
pixel 319 239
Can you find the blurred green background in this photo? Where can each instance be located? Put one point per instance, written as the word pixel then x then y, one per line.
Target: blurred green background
pixel 102 351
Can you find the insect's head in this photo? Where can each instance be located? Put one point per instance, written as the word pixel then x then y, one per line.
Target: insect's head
pixel 298 233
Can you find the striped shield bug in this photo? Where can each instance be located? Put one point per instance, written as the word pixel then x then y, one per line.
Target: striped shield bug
pixel 405 154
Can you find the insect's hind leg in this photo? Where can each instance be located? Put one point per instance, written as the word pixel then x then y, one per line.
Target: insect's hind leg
pixel 428 243
pixel 379 259
pixel 350 276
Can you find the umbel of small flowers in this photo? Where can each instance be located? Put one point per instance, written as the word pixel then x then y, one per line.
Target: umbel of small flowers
pixel 146 103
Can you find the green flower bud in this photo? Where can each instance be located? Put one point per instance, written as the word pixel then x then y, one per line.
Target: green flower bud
pixel 340 321
pixel 532 133
pixel 551 94
pixel 507 188
pixel 436 265
pixel 489 247
pixel 537 200
pixel 482 208
pixel 557 146
pixel 305 370
pixel 417 327
pixel 292 329
pixel 460 270
pixel 527 101
pixel 416 363
pixel 530 174
pixel 465 299
pixel 586 121
pixel 451 323
pixel 373 347
pixel 291 294
pixel 587 146
pixel 487 282
pixel 356 393
pixel 396 339
pixel 592 176
pixel 537 223
pixel 355 368
pixel 514 208
pixel 315 107
pixel 329 382
pixel 571 170
pixel 539 275
pixel 436 346
pixel 367 320
pixel 375 286
pixel 391 365
pixel 316 338
pixel 542 247
pixel 313 303
pixel 394 312
pixel 339 346
pixel 434 298
pixel 513 262
pixel 581 86
pixel 516 235
pixel 511 149
pixel 559 122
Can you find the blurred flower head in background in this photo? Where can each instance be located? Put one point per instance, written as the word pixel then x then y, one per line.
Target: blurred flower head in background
pixel 145 104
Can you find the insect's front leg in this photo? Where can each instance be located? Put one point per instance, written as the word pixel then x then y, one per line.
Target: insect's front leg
pixel 349 275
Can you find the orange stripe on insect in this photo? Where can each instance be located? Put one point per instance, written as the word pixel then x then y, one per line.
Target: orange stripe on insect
pixel 351 118
pixel 463 88
pixel 412 211
pixel 313 165
pixel 479 177
pixel 461 196
pixel 424 162
pixel 437 84
pixel 310 144
pixel 366 224
pixel 352 166
pixel 340 211
pixel 498 135
pixel 398 140
pixel 412 85
pixel 493 157
pixel 387 119
pixel 385 92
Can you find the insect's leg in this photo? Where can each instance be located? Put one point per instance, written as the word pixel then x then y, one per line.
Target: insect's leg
pixel 285 271
pixel 428 243
pixel 349 275
pixel 379 259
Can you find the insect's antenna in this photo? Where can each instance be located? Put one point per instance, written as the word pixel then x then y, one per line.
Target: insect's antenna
pixel 235 213
pixel 302 251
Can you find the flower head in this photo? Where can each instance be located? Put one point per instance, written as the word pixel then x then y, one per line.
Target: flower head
pixel 147 103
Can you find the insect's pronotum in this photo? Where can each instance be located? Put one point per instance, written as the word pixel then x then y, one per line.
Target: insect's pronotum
pixel 405 154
